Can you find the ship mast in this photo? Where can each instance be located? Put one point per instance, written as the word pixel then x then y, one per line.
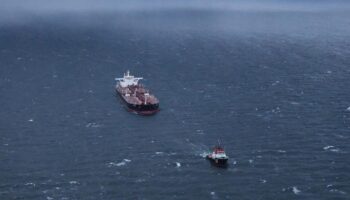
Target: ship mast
pixel 146 95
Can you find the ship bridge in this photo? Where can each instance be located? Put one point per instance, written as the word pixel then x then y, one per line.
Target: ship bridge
pixel 128 80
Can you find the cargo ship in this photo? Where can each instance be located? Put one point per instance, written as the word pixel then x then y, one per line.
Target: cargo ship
pixel 136 97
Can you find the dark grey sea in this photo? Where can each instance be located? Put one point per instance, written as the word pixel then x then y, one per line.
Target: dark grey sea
pixel 271 81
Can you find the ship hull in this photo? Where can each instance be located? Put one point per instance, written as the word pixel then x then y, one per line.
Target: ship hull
pixel 222 162
pixel 149 109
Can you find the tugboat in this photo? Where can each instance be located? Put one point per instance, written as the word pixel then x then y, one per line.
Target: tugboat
pixel 136 97
pixel 218 157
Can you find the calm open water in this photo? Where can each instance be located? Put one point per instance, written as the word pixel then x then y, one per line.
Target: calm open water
pixel 272 85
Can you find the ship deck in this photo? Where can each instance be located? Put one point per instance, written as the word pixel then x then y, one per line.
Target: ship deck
pixel 136 94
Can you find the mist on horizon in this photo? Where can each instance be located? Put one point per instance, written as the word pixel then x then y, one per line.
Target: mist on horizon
pixel 47 7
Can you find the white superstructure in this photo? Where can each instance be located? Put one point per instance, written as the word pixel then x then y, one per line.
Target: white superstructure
pixel 128 80
pixel 219 155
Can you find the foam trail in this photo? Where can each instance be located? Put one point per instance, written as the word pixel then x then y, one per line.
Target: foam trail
pixel 204 154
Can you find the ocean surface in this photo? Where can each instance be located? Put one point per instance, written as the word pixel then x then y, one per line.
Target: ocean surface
pixel 272 85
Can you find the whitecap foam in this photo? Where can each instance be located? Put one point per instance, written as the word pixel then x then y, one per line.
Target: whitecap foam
pixel 178 164
pixel 92 125
pixel 140 180
pixel 334 150
pixel 30 184
pixel 73 182
pixel 331 148
pixel 348 109
pixel 296 190
pixel 111 164
pixel 119 164
pixel 337 191
pixel 213 195
pixel 294 103
pixel 275 83
pixel 327 147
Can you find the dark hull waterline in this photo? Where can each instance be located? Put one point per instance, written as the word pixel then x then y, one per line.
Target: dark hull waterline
pixel 218 162
pixel 149 109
